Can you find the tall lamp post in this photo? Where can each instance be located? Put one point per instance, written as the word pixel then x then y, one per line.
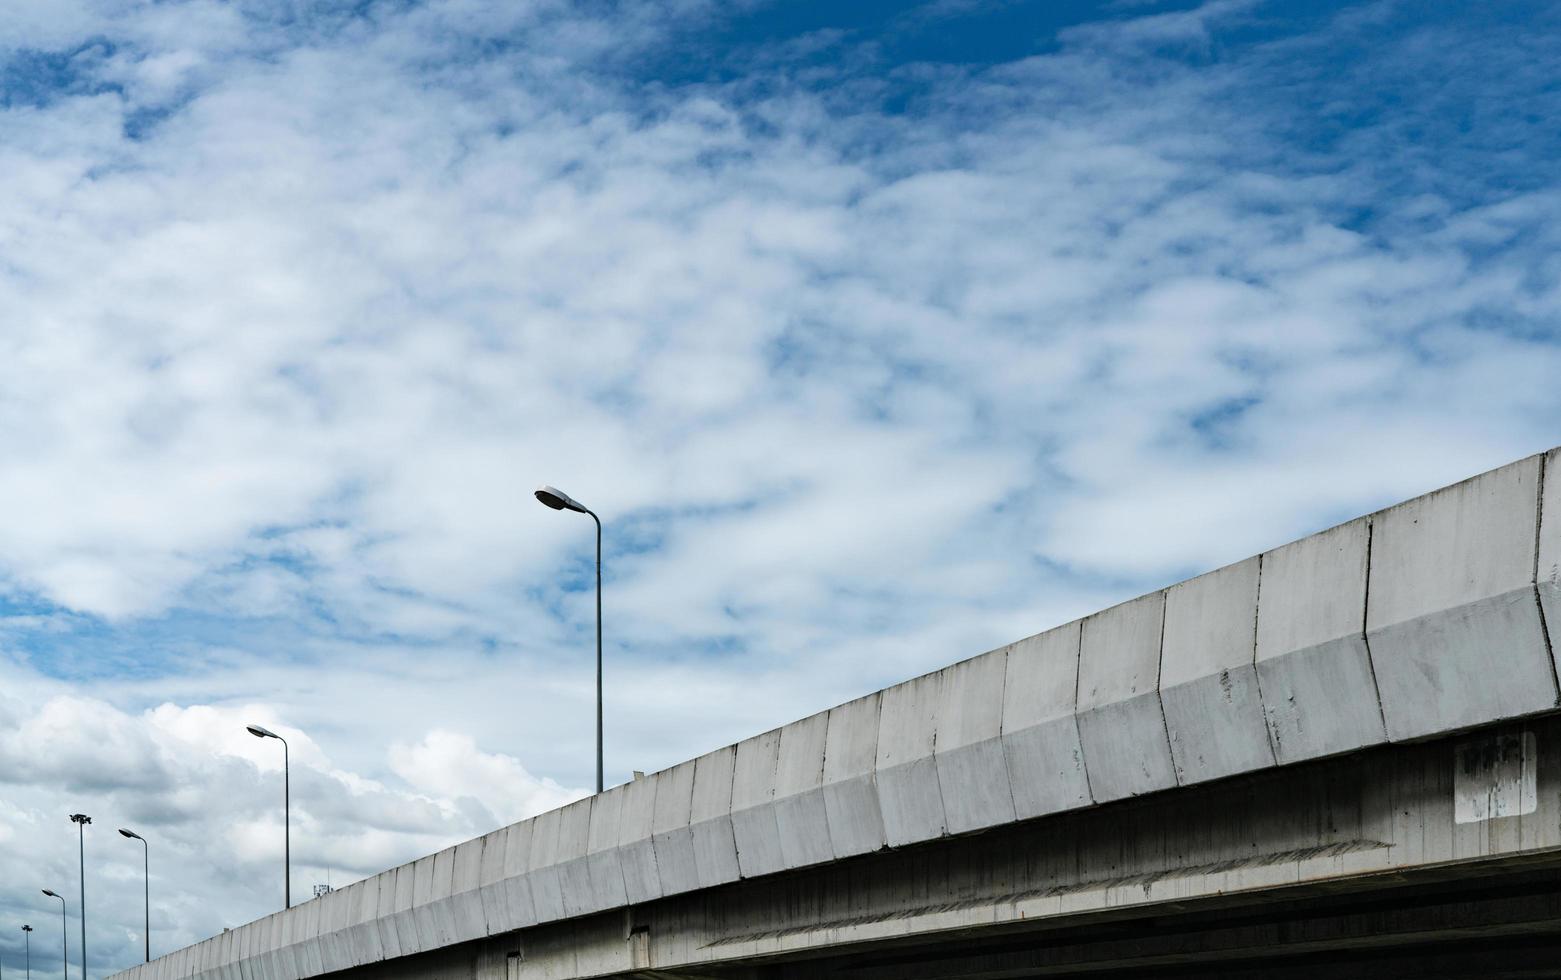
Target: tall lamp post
pixel 287 818
pixel 559 500
pixel 81 820
pixel 146 886
pixel 27 946
pixel 64 949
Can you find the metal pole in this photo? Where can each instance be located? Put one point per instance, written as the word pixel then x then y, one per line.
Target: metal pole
pixel 598 521
pixel 64 946
pixel 27 940
pixel 146 891
pixel 81 820
pixel 287 828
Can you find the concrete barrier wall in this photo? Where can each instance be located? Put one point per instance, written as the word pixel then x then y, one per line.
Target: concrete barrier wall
pixel 1425 618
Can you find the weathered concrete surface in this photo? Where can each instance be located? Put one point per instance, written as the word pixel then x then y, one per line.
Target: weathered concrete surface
pixel 1121 722
pixel 854 816
pixel 1208 679
pixel 755 828
pixel 801 818
pixel 710 818
pixel 906 772
pixel 1452 618
pixel 1040 731
pixel 674 840
pixel 1319 689
pixel 972 770
pixel 1427 618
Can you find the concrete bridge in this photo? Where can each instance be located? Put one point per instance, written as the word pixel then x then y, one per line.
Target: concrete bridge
pixel 1340 754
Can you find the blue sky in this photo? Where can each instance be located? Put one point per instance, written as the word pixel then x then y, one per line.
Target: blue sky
pixel 880 335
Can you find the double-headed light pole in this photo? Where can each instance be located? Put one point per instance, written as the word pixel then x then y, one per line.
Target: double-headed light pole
pixel 81 820
pixel 146 886
pixel 559 500
pixel 287 817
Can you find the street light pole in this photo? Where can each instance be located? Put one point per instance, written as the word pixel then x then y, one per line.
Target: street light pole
pixel 64 948
pixel 81 820
pixel 27 946
pixel 558 500
pixel 146 886
pixel 287 817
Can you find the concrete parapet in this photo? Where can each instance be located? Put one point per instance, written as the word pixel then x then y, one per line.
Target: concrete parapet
pixel 544 870
pixel 850 789
pixel 1208 680
pixel 574 874
pixel 754 825
pixel 972 773
pixel 1452 616
pixel 1319 689
pixel 801 819
pixel 636 849
pixel 1121 722
pixel 601 851
pixel 1040 736
pixel 674 840
pixel 907 773
pixel 710 818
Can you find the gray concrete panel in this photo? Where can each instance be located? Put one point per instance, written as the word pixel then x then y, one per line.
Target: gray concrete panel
pixel 406 926
pixel 602 863
pixel 850 787
pixel 972 772
pixel 710 817
pixel 470 919
pixel 1040 733
pixel 1549 564
pixel 636 851
pixel 673 839
pixel 1208 680
pixel 384 918
pixel 753 805
pixel 571 859
pixel 906 771
pixel 1121 722
pixel 422 895
pixel 801 820
pixel 542 870
pixel 1313 666
pixel 1452 617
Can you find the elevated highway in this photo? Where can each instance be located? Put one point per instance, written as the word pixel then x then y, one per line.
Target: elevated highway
pixel 1340 754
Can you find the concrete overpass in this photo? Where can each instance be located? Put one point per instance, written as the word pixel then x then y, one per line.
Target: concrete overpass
pixel 1340 754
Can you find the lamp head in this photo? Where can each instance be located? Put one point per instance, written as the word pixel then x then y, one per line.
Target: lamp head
pixel 559 500
pixel 80 818
pixel 260 731
pixel 27 928
pixel 52 895
pixel 131 834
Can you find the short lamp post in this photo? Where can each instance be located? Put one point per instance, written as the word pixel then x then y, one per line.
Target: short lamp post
pixel 64 948
pixel 146 887
pixel 559 500
pixel 287 818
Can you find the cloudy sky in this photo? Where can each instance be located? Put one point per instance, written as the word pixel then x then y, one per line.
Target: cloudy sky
pixel 880 334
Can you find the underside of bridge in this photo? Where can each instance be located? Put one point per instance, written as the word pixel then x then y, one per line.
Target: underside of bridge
pixel 1435 859
pixel 1489 920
